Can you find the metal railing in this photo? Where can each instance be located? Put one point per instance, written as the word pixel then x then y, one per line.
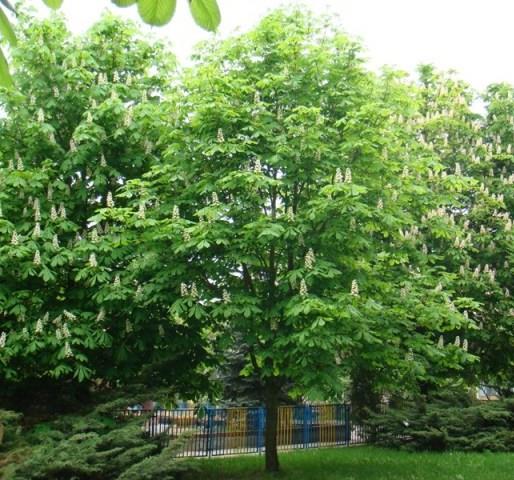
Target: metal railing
pixel 230 431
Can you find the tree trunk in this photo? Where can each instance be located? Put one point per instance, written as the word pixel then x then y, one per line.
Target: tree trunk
pixel 270 440
pixel 363 395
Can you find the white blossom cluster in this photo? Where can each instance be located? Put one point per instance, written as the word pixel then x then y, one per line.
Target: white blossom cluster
pixel 15 239
pixel 127 119
pixel 109 200
pixel 290 214
pixel 310 259
pixel 101 315
pixel 102 78
pixel 303 288
pixel 70 316
pixel 68 353
pixel 226 296
pixel 19 162
pixel 354 291
pixel 148 146
pixel 39 327
pixel 191 292
pixel 410 234
pixel 95 238
pixel 141 213
pixel 65 331
pixel 62 211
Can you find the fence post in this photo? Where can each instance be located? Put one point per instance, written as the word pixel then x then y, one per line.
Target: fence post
pixel 348 427
pixel 305 426
pixel 261 418
pixel 209 430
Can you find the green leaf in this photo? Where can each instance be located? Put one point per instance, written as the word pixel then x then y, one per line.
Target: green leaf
pixel 55 4
pixel 5 76
pixel 6 29
pixel 124 3
pixel 206 13
pixel 156 12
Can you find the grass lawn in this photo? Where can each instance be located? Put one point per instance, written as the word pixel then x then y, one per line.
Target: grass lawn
pixel 364 463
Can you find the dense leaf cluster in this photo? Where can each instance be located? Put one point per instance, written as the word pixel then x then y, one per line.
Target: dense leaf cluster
pixel 276 200
pixel 93 447
pixel 83 123
pixel 205 13
pixel 446 421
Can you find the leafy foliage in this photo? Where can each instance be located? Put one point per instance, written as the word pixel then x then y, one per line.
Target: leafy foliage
pixel 83 122
pixel 279 215
pixel 8 427
pixel 205 13
pixel 156 12
pixel 96 446
pixel 446 421
pixel 472 169
pixel 278 204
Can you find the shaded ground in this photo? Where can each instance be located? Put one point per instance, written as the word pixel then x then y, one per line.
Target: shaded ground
pixel 364 463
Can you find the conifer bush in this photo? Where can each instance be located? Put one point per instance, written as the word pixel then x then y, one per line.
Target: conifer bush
pixel 97 447
pixel 446 421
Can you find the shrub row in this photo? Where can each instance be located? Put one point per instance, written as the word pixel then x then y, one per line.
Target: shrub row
pixel 445 422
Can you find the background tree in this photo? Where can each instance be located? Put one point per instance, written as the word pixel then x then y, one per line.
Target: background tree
pixel 472 168
pixel 280 215
pixel 494 211
pixel 433 234
pixel 82 123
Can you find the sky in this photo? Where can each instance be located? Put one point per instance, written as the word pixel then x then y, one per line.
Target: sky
pixel 473 37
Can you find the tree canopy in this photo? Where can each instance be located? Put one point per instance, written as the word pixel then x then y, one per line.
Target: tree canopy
pixel 276 202
pixel 82 124
pixel 279 215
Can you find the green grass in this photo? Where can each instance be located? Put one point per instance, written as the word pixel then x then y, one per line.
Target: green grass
pixel 364 463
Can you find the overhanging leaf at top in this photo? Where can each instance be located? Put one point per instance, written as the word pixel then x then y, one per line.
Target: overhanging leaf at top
pixel 156 12
pixel 206 13
pixel 5 76
pixel 5 28
pixel 55 4
pixel 124 3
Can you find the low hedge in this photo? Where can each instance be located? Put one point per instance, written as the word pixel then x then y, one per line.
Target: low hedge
pixel 445 421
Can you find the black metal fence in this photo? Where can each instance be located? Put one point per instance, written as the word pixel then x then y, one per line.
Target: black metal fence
pixel 230 431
